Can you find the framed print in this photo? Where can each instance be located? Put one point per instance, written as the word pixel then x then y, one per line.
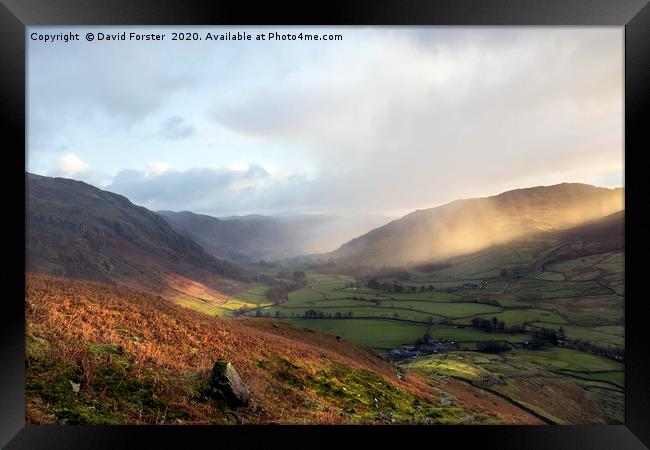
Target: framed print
pixel 361 220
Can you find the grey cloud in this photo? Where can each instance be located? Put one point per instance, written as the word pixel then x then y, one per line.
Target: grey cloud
pixel 275 110
pixel 521 96
pixel 175 128
pixel 196 189
pixel 117 84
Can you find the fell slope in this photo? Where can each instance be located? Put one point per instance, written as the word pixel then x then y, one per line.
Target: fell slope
pixel 585 245
pixel 467 226
pixel 80 231
pixel 136 358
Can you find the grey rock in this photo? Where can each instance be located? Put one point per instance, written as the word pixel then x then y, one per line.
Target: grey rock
pixel 226 384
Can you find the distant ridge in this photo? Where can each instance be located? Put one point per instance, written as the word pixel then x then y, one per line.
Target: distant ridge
pixel 470 225
pixel 252 238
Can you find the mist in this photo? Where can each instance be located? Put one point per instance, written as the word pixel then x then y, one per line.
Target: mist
pixel 467 226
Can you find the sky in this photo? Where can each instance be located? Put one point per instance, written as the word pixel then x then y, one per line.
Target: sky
pixel 385 121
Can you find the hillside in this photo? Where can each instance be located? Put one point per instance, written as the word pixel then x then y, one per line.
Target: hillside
pixel 537 255
pixel 79 231
pixel 99 354
pixel 470 225
pixel 248 238
pixel 255 237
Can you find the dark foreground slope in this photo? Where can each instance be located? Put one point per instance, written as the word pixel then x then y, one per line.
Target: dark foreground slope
pixel 471 225
pixel 99 354
pixel 76 230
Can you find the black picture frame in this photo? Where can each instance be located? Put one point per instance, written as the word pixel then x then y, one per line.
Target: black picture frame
pixel 634 15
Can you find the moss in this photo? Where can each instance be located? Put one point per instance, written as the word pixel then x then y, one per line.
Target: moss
pixel 198 385
pixel 219 367
pixel 35 346
pixel 106 349
pixel 262 364
pixel 50 381
pixel 362 396
pixel 366 396
pixel 112 395
pixel 289 373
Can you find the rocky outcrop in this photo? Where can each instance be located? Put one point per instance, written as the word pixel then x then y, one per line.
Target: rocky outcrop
pixel 227 385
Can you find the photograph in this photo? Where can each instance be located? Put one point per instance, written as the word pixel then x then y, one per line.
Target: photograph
pixel 325 225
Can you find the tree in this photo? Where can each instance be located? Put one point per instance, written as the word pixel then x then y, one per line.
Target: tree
pixel 544 336
pixel 276 293
pixel 517 329
pixel 374 284
pixel 298 275
pixel 491 346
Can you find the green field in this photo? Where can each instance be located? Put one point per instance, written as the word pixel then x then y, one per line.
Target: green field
pixel 469 336
pixel 563 385
pixel 523 316
pixel 583 308
pixel 588 334
pixel 375 333
pixel 522 363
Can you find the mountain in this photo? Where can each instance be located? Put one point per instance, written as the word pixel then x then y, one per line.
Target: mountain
pixel 595 246
pixel 76 230
pixel 470 225
pixel 254 237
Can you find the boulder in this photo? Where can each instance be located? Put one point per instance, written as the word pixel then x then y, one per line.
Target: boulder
pixel 226 384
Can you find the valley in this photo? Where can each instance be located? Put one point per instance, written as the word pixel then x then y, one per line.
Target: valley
pixel 128 309
pixel 505 302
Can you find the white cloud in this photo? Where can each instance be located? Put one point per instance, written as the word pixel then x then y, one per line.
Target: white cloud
pixel 156 168
pixel 69 165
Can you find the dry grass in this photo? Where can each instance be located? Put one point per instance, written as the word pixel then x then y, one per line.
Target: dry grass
pixel 168 342
pixel 141 359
